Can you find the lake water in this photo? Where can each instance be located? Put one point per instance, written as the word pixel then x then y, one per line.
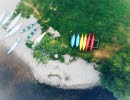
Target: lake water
pixel 17 83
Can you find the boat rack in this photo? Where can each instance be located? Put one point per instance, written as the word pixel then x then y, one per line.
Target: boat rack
pixel 84 42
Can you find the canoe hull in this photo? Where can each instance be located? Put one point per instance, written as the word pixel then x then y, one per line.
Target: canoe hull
pixel 72 41
pixel 77 40
pixel 84 42
pixel 14 45
pixel 92 43
pixel 14 22
pixel 5 21
pixel 87 42
pixel 81 43
pixel 28 28
pixel 14 30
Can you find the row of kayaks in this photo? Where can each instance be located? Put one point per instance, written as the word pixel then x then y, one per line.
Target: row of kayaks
pixel 83 42
pixel 13 27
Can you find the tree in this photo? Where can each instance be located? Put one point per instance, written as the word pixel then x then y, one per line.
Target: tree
pixel 115 73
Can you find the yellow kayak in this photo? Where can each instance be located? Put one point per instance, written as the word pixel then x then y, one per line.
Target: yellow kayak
pixel 84 42
pixel 81 43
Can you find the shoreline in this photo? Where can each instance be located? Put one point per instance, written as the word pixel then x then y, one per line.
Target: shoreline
pixel 15 63
pixel 27 68
pixel 64 75
pixel 36 77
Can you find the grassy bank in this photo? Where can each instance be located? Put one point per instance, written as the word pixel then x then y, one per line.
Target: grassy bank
pixel 109 20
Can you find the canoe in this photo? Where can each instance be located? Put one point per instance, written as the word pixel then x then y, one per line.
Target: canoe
pixel 28 27
pixel 14 45
pixel 87 42
pixel 84 42
pixel 14 30
pixel 14 22
pixel 72 41
pixel 31 34
pixel 81 43
pixel 2 16
pixel 5 21
pixel 92 43
pixel 77 40
pixel 39 39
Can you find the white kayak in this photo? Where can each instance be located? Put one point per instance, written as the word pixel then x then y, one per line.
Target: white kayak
pixel 14 45
pixel 14 30
pixel 5 21
pixel 2 16
pixel 38 39
pixel 14 22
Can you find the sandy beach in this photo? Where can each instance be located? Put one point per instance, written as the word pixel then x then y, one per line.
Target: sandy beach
pixel 76 75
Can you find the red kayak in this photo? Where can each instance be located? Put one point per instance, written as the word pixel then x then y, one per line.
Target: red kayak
pixel 87 42
pixel 92 43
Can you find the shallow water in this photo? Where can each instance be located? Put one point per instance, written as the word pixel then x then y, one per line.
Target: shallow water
pixel 17 83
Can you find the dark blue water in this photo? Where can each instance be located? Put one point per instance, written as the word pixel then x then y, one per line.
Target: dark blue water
pixel 16 83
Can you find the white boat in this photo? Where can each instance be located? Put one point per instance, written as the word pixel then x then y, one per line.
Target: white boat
pixel 2 16
pixel 5 21
pixel 38 39
pixel 14 30
pixel 14 45
pixel 14 22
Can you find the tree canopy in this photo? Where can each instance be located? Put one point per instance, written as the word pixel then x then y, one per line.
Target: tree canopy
pixel 115 73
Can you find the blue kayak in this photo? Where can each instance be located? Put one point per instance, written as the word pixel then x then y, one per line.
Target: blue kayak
pixel 28 27
pixel 72 41
pixel 77 40
pixel 31 34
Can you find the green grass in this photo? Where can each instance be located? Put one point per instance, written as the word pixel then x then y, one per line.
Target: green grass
pixel 108 19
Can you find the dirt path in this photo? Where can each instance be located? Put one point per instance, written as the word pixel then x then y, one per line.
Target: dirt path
pixel 105 51
pixel 35 11
pixel 31 6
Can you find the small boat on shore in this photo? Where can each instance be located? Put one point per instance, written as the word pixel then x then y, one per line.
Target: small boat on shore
pixel 81 43
pixel 92 43
pixel 5 21
pixel 39 39
pixel 14 30
pixel 14 22
pixel 72 41
pixel 14 45
pixel 28 27
pixel 77 40
pixel 84 42
pixel 2 16
pixel 31 34
pixel 87 42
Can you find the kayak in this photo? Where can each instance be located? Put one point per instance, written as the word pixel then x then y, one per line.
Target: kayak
pixel 14 22
pixel 14 30
pixel 14 45
pixel 39 39
pixel 28 27
pixel 31 34
pixel 81 43
pixel 5 21
pixel 72 41
pixel 87 42
pixel 2 16
pixel 92 43
pixel 84 42
pixel 77 40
